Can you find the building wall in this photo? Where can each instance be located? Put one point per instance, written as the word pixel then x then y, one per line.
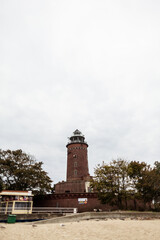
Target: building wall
pixel 71 200
pixel 70 187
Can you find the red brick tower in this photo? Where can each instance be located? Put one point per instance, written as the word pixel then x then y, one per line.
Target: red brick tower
pixel 78 178
pixel 77 157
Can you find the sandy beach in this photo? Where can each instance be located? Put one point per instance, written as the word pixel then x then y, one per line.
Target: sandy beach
pixel 84 230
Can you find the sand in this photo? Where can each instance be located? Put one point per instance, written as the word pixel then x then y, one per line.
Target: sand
pixel 84 230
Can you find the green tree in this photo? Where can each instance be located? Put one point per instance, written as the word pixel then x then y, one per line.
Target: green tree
pixel 112 182
pixel 120 167
pixel 20 171
pixel 136 174
pixel 146 181
pixel 119 181
pixel 1 184
pixel 154 179
pixel 144 185
pixel 104 183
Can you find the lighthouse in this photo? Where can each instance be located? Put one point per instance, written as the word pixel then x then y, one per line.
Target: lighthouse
pixel 77 177
pixel 77 157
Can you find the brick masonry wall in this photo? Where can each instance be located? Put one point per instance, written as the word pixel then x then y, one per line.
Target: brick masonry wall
pixel 72 187
pixel 71 200
pixel 77 161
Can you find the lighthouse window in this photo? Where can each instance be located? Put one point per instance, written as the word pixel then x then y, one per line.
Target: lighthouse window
pixel 75 172
pixel 74 155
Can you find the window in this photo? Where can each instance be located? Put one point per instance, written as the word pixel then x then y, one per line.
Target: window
pixel 75 172
pixel 75 164
pixel 22 205
pixel 67 191
pixel 74 155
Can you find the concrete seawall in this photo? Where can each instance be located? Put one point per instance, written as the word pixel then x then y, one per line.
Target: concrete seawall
pixel 102 215
pixel 31 217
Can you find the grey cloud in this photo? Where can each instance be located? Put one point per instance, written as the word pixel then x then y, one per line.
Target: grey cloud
pixel 92 65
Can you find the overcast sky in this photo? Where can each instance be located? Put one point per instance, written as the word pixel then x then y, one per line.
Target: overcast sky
pixel 92 65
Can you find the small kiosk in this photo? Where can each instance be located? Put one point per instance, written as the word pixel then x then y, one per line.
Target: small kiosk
pixel 16 202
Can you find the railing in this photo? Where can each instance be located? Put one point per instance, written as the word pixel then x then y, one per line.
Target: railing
pixel 9 210
pixel 76 141
pixel 53 210
pixel 43 210
pixel 2 210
